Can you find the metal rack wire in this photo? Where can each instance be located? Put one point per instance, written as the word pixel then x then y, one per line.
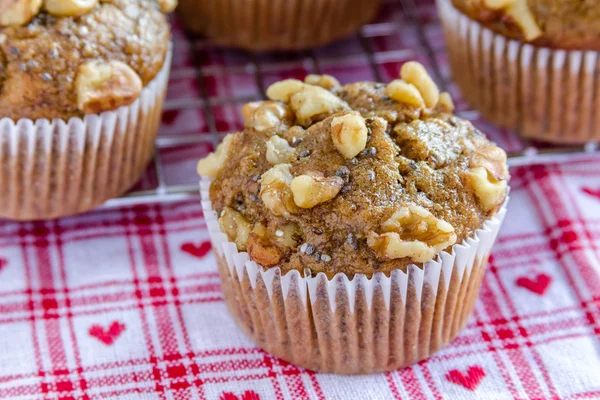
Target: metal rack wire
pixel 407 14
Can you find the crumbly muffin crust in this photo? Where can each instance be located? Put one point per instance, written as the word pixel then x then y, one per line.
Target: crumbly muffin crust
pixel 355 183
pixel 563 24
pixel 40 60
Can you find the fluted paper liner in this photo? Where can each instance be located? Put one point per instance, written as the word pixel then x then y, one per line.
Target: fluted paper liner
pixel 51 169
pixel 547 94
pixel 352 326
pixel 275 24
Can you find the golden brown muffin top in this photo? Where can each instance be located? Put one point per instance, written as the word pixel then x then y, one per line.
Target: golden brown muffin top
pixel 355 179
pixel 67 58
pixel 565 24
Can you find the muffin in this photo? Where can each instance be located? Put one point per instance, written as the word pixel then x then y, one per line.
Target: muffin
pixel 275 24
pixel 352 224
pixel 528 65
pixel 81 93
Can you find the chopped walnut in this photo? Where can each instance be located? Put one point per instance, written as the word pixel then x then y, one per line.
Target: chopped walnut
pixel 412 232
pixel 236 227
pixel 214 162
pixel 414 73
pixel 265 115
pixel 18 12
pixel 279 151
pixel 167 6
pixel 489 191
pixel 445 103
pixel 313 103
pixel 275 190
pixel 520 13
pixel 311 190
pixel 263 251
pixel 492 158
pixel 405 93
pixel 69 8
pixel 349 134
pixel 103 86
pixel 327 82
pixel 283 90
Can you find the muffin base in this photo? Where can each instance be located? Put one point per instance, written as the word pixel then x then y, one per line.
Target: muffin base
pixel 52 169
pixel 357 326
pixel 546 94
pixel 275 24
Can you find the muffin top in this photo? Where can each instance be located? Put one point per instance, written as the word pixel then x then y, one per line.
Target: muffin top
pixel 355 179
pixel 565 24
pixel 67 58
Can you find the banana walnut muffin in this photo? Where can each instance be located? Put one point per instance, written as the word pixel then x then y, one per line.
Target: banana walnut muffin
pixel 68 58
pixel 360 178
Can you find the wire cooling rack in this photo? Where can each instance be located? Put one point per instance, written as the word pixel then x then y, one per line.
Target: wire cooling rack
pixel 209 84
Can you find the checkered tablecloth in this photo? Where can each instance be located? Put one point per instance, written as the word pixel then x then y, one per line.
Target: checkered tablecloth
pixel 125 303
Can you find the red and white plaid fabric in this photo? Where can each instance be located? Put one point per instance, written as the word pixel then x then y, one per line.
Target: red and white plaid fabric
pixel 126 303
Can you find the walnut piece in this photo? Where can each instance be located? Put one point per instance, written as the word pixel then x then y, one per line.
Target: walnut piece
pixel 235 226
pixel 279 151
pixel 275 190
pixel 18 12
pixel 349 134
pixel 414 73
pixel 283 90
pixel 214 162
pixel 69 8
pixel 445 102
pixel 167 6
pixel 263 251
pixel 311 190
pixel 404 92
pixel 313 103
pixel 411 232
pixel 520 13
pixel 103 86
pixel 265 115
pixel 327 82
pixel 492 158
pixel 490 192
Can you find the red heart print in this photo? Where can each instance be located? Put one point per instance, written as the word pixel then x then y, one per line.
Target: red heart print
pixel 197 250
pixel 471 380
pixel 107 336
pixel 592 192
pixel 3 263
pixel 539 285
pixel 247 395
pixel 170 116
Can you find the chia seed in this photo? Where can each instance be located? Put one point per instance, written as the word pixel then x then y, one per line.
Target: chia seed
pixel 304 153
pixel 256 178
pixel 345 189
pixel 296 141
pixel 369 120
pixel 378 85
pixel 371 176
pixel 23 67
pixel 53 53
pixel 46 77
pixel 303 247
pixel 14 51
pixel 31 64
pixel 317 256
pixel 325 258
pixel 83 31
pixel 254 197
pixel 413 165
pixel 317 231
pixel 354 161
pixel 310 249
pixel 368 152
pixel 343 172
pixel 279 233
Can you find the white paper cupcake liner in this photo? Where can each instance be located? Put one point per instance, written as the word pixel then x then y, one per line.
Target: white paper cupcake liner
pixel 51 169
pixel 547 94
pixel 352 326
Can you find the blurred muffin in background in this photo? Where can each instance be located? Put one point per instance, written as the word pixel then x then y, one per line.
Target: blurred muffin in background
pixel 528 65
pixel 81 92
pixel 275 24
